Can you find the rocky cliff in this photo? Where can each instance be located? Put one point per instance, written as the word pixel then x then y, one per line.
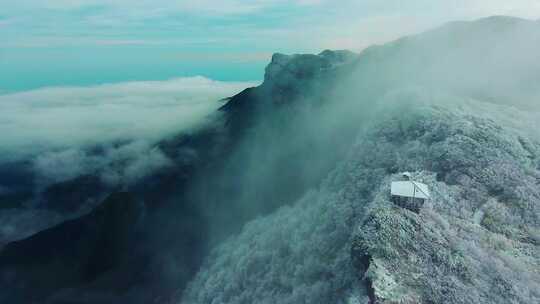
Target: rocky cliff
pixel 237 167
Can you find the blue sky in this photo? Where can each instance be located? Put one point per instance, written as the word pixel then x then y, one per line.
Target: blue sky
pixel 85 42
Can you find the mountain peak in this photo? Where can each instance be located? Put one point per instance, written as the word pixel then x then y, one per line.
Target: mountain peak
pixel 303 66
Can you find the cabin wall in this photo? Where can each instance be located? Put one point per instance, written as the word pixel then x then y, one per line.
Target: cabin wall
pixel 413 204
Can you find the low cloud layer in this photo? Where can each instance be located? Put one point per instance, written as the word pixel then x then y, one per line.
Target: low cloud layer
pixel 107 131
pixel 61 118
pixel 116 165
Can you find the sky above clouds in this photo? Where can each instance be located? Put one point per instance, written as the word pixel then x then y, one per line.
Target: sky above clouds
pixel 85 42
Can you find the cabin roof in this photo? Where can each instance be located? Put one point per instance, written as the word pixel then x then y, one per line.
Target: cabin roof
pixel 410 189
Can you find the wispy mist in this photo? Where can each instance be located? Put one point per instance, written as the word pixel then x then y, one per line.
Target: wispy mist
pixel 59 129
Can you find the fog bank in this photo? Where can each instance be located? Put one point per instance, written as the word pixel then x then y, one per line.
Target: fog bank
pixel 68 117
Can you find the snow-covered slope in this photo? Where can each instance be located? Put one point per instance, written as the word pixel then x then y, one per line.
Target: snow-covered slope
pixel 477 241
pixel 458 107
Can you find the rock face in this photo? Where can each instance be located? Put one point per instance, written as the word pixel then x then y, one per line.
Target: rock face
pixel 214 186
pixel 290 76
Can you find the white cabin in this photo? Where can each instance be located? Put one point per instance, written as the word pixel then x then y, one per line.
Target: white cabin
pixel 409 194
pixel 410 189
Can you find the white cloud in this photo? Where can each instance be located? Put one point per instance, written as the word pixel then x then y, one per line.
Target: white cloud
pixel 356 25
pixel 117 165
pixel 66 117
pixel 108 131
pixel 298 25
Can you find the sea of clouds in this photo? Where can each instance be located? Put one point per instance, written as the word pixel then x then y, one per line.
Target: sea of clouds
pixel 66 117
pixel 58 129
pixel 56 134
